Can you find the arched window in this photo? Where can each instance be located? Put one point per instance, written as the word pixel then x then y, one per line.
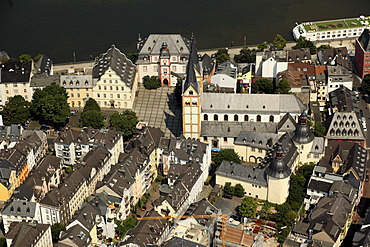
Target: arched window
pixel 215 117
pixel 246 118
pixel 77 83
pixel 191 92
pixel 271 119
pixel 258 118
pixel 226 117
pixel 71 83
pixel 236 117
pixel 205 117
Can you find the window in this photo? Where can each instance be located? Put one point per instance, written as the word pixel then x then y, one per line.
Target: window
pixel 25 90
pixel 225 139
pixel 145 68
pixel 15 85
pixel 72 95
pixel 118 95
pixel 215 117
pixel 236 118
pixel 111 95
pixel 98 95
pixel 258 118
pixel 253 149
pixel 191 92
pixel 205 117
pixel 174 68
pixel 246 118
pixel 78 95
pixel 104 95
pixel 99 87
pixel 271 119
pixel 226 118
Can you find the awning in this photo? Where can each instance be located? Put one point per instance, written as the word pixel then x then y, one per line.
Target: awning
pixel 111 206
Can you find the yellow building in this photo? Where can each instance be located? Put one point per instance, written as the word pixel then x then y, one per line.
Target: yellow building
pixel 116 80
pixel 8 182
pixel 78 87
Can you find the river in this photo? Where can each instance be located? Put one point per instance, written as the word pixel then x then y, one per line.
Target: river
pixel 86 28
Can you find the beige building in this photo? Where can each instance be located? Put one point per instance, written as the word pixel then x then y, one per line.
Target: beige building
pixel 78 87
pixel 116 79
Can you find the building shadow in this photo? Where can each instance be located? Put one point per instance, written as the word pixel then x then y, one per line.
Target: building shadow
pixel 173 124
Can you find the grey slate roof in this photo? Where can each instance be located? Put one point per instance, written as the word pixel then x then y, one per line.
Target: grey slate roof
pixel 20 208
pixel 345 125
pixel 14 71
pixel 11 133
pixel 176 44
pixel 179 242
pixel 257 139
pixel 119 63
pixel 242 172
pixel 227 68
pixel 302 133
pixel 318 145
pixel 27 234
pixel 320 185
pixel 251 103
pixel 43 80
pixel 232 129
pixel 287 124
pixel 75 235
pixel 344 100
pixel 364 40
pixel 191 79
pixel 202 207
pixel 44 65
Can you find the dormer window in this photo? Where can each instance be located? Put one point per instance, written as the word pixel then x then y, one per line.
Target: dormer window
pixel 191 92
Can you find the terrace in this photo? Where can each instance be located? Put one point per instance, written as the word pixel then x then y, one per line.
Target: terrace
pixel 332 25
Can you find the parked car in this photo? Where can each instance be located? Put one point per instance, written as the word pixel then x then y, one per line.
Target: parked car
pixel 227 196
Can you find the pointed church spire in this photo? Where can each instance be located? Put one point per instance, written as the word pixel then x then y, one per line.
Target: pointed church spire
pixel 191 79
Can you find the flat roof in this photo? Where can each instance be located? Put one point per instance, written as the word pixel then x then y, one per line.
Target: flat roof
pixel 335 24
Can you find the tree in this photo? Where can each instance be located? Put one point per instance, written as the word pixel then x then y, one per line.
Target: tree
pixel 50 104
pixel 38 57
pixel 55 231
pixel 245 56
pixel 92 118
pixel 279 42
pixel 302 42
pixel 265 211
pixel 25 58
pixel 323 47
pixel 319 129
pixel 124 121
pixel 132 57
pixel 151 82
pixel 262 46
pixel 262 86
pixel 16 110
pixel 2 242
pixel 228 189
pixel 123 227
pixel 222 55
pixel 366 82
pixel 91 105
pixel 239 190
pixel 248 207
pixel 226 154
pixel 283 87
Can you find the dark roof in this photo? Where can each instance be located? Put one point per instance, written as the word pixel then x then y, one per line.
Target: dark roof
pixel 44 65
pixel 257 139
pixel 119 63
pixel 302 133
pixel 364 40
pixel 323 186
pixel 202 207
pixel 299 55
pixel 232 129
pixel 191 79
pixel 27 234
pixel 86 216
pixel 344 100
pixel 278 167
pixel 287 124
pixel 20 208
pixel 43 80
pixel 3 57
pixel 242 172
pixel 179 242
pixel 12 133
pixel 15 71
pixel 75 235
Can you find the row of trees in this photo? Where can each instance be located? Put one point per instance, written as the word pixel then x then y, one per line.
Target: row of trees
pixel 265 85
pixel 48 105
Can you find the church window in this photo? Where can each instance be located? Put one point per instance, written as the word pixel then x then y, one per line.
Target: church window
pixel 205 117
pixel 211 106
pixel 258 118
pixel 264 107
pixel 228 106
pixel 236 117
pixel 215 117
pixel 226 117
pixel 246 118
pixel 271 119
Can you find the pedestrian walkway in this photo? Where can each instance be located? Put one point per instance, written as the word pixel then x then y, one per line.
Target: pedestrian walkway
pixel 159 109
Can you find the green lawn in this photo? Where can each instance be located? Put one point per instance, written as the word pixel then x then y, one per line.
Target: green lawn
pixel 331 25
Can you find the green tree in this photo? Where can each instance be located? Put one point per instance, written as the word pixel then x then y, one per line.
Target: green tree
pixel 245 56
pixel 283 87
pixel 323 47
pixel 50 104
pixel 265 211
pixel 228 189
pixel 151 82
pixel 248 207
pixel 226 154
pixel 366 82
pixel 16 110
pixel 279 42
pixel 262 46
pixel 25 58
pixel 222 55
pixel 239 190
pixel 93 119
pixel 91 105
pixel 132 57
pixel 2 242
pixel 55 231
pixel 123 227
pixel 319 129
pixel 302 42
pixel 125 122
pixel 38 57
pixel 262 86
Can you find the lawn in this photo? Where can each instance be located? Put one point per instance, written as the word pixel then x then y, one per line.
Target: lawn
pixel 330 25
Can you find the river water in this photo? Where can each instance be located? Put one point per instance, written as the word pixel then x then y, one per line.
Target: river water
pixel 86 28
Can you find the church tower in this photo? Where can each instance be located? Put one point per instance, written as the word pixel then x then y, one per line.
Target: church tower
pixel 164 65
pixel 191 92
pixel 278 176
pixel 303 138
